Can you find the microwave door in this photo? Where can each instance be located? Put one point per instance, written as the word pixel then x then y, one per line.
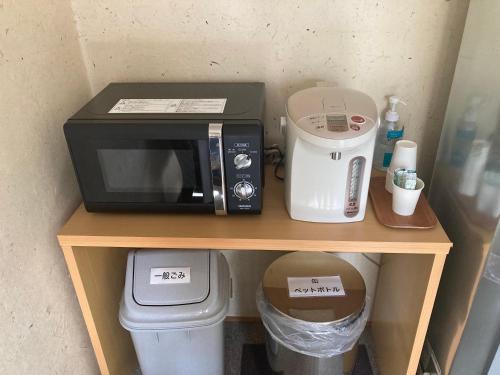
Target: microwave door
pixel 206 191
pixel 142 171
pixel 172 179
pixel 145 174
pixel 166 172
pixel 178 173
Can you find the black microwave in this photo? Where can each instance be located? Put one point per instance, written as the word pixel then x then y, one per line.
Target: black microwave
pixel 170 147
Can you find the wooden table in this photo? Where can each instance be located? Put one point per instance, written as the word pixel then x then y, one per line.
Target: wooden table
pixel 95 248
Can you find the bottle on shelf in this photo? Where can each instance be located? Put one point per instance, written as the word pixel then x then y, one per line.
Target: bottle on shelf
pixel 488 202
pixel 465 134
pixel 390 131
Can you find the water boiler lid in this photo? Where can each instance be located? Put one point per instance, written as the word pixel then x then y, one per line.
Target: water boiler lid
pixel 333 113
pixel 292 285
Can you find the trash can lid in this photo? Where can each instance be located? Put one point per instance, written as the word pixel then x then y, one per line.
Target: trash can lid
pixel 315 287
pixel 168 278
pixel 178 305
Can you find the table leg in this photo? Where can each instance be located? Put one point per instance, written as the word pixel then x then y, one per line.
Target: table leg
pixel 406 290
pixel 98 277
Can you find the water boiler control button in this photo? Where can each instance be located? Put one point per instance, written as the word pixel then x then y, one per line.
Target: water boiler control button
pixel 242 161
pixel 244 190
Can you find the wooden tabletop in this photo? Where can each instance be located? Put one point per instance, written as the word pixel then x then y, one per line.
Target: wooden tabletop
pixel 272 230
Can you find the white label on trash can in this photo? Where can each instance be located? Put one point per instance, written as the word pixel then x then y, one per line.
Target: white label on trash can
pixel 321 286
pixel 170 275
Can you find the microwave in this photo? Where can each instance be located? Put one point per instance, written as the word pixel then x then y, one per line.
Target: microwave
pixel 170 147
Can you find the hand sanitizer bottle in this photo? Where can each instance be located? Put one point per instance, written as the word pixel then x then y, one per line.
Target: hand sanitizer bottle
pixel 389 133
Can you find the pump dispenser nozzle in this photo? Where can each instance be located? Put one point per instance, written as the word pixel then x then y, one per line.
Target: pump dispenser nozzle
pixel 392 115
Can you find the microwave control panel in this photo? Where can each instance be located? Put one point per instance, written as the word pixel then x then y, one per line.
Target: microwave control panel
pixel 244 168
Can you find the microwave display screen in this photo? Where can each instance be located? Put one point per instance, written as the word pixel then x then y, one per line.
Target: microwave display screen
pixel 174 173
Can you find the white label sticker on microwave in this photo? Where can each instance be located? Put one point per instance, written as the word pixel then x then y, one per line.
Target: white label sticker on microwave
pixel 170 275
pixel 321 286
pixel 169 106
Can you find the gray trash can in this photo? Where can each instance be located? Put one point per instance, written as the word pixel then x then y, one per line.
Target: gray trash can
pixel 174 303
pixel 313 308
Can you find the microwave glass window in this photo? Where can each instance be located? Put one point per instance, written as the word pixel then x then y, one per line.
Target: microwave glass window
pixel 174 173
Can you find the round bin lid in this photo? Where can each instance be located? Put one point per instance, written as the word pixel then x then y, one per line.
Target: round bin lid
pixel 315 287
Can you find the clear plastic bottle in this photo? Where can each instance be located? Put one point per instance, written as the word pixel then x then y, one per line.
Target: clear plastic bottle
pixel 465 134
pixel 389 133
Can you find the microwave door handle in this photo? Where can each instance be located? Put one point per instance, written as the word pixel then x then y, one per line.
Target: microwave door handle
pixel 215 147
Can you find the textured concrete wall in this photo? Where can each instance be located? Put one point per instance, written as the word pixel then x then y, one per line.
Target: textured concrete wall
pixel 42 80
pixel 386 47
pixel 408 48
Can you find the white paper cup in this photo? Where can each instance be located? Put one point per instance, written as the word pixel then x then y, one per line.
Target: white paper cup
pixel 405 155
pixel 404 201
pixel 389 180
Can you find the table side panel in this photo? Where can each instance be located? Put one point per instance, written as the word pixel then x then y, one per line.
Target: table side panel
pixel 85 307
pixel 272 230
pixel 256 244
pixel 406 289
pixel 95 247
pixel 102 273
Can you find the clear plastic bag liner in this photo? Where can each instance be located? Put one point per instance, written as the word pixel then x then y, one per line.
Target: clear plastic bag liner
pixel 321 340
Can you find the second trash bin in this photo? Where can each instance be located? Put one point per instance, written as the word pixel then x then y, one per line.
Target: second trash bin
pixel 174 304
pixel 312 305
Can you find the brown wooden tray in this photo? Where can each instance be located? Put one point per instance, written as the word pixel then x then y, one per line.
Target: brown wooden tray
pixel 423 218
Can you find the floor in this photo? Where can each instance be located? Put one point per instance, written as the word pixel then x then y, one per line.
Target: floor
pixel 241 339
pixel 245 341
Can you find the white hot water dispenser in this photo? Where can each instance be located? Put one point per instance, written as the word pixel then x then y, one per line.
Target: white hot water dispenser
pixel 330 137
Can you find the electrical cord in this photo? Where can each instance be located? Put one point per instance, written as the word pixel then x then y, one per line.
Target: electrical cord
pixel 276 160
pixel 276 167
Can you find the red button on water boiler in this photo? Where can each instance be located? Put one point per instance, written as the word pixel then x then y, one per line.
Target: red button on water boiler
pixel 358 119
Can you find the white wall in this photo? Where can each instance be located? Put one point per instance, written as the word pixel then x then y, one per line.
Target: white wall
pixel 247 269
pixel 42 81
pixel 382 47
pixel 386 47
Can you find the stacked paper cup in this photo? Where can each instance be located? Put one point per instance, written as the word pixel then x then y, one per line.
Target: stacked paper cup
pixel 405 156
pixel 404 200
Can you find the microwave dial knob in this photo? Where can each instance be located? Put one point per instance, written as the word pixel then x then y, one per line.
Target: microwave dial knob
pixel 242 161
pixel 244 190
